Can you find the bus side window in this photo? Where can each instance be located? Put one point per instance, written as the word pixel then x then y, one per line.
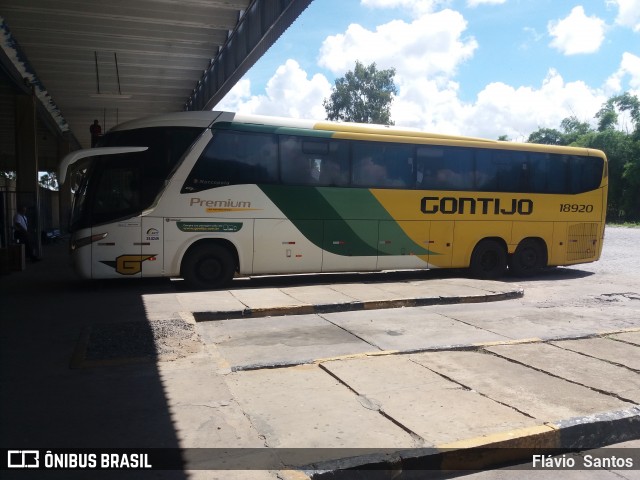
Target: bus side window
pixel 539 172
pixel 557 180
pixel 382 165
pixel 486 172
pixel 428 161
pixel 445 168
pixel 233 158
pixel 586 173
pixel 313 161
pixel 334 168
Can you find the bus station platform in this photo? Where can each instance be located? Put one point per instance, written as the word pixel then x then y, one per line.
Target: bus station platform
pixel 307 376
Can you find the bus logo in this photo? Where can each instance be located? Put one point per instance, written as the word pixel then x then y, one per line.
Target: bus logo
pixel 129 264
pixel 486 206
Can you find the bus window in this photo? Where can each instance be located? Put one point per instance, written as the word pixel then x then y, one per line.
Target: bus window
pixel 502 171
pixel 233 158
pixel 557 180
pixel 382 165
pixel 117 191
pixel 538 172
pixel 445 168
pixel 586 173
pixel 310 161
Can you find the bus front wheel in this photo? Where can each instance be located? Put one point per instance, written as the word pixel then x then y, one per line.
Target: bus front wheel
pixel 208 266
pixel 529 258
pixel 488 260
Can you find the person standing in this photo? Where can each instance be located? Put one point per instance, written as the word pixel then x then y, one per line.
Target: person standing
pixel 96 132
pixel 21 225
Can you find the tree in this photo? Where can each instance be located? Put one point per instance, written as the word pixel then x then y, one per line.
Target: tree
pixel 547 136
pixel 608 116
pixel 49 180
pixel 363 95
pixel 621 147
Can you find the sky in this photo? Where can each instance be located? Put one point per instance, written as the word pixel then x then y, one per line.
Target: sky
pixel 481 68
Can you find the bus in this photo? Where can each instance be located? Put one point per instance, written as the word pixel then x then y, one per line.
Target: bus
pixel 209 195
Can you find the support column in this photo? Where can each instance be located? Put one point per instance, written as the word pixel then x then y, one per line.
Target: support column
pixel 27 164
pixel 64 191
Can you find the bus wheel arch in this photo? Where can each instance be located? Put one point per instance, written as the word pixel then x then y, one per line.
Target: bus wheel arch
pixel 489 259
pixel 529 258
pixel 209 264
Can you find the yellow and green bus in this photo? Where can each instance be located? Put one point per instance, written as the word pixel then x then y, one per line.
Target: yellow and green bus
pixel 208 195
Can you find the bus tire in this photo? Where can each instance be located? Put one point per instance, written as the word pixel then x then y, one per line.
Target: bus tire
pixel 208 266
pixel 488 260
pixel 529 258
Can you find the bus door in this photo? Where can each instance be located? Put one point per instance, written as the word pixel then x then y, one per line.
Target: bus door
pixel 403 244
pixel 440 244
pixel 118 254
pixel 280 246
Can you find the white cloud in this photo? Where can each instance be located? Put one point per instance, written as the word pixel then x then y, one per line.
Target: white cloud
pixel 577 33
pixel 426 54
pixel 628 13
pixel 499 109
pixel 475 3
pixel 289 93
pixel 516 112
pixel 629 67
pixel 418 7
pixel 430 45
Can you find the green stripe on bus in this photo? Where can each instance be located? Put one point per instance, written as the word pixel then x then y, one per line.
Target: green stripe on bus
pixel 351 219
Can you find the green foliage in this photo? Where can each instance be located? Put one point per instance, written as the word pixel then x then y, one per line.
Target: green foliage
pixel 363 95
pixel 547 136
pixel 622 150
pixel 49 180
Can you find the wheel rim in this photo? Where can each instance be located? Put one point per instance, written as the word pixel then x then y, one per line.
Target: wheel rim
pixel 209 269
pixel 529 259
pixel 489 261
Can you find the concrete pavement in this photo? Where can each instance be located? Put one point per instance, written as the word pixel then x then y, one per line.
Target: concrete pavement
pixel 404 373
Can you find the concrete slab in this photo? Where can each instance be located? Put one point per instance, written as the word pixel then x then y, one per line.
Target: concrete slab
pixel 318 295
pixel 529 391
pixel 366 292
pixel 421 400
pixel 219 301
pixel 202 407
pixel 265 298
pixel 605 349
pixel 573 366
pixel 160 306
pixel 304 407
pixel 516 322
pixel 629 337
pixel 291 340
pixel 490 286
pixel 426 289
pixel 408 329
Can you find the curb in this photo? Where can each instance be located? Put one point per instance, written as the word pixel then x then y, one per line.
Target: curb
pixel 353 306
pixel 499 450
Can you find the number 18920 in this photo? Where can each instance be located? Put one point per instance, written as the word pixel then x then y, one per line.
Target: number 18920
pixel 576 208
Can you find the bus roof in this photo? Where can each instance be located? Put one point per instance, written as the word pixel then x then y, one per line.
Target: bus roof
pixel 207 118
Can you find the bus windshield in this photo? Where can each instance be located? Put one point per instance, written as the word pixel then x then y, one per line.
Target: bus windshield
pixel 119 186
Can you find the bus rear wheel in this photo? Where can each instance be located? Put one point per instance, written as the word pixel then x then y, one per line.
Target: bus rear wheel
pixel 488 260
pixel 529 258
pixel 208 266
